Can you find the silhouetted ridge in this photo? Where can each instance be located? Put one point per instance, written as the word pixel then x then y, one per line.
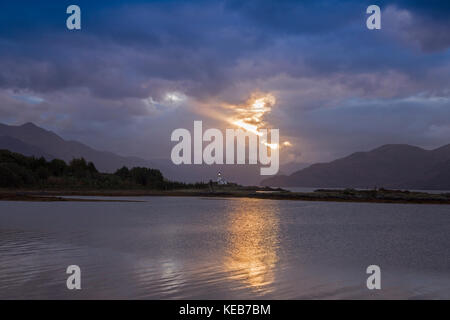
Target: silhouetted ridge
pixel 47 143
pixel 389 166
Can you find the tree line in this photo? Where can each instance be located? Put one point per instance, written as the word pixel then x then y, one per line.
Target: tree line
pixel 19 171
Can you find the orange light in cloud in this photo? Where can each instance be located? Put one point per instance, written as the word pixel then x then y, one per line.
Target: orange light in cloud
pixel 250 115
pixel 248 127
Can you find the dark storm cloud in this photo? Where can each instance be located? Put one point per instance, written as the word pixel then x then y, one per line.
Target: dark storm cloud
pixel 428 22
pixel 430 19
pixel 125 48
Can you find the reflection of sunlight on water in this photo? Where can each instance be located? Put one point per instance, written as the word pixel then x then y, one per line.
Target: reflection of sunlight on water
pixel 252 245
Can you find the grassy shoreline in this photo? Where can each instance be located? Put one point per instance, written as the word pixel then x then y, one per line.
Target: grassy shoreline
pixel 345 195
pixel 31 179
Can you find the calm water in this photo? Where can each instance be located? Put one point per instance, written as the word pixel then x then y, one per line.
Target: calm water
pixel 170 248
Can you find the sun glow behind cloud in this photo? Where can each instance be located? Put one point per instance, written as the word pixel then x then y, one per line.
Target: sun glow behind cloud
pixel 250 116
pixel 248 127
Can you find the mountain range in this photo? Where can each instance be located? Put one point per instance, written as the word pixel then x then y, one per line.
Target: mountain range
pixel 389 166
pixel 31 140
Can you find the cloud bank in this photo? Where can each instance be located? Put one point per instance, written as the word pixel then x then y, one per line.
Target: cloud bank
pixel 139 69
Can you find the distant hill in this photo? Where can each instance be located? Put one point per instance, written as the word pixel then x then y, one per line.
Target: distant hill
pixel 389 166
pixel 29 139
pixel 16 145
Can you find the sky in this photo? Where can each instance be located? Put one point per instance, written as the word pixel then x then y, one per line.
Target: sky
pixel 137 70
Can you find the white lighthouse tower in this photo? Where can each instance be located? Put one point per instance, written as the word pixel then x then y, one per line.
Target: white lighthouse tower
pixel 220 179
